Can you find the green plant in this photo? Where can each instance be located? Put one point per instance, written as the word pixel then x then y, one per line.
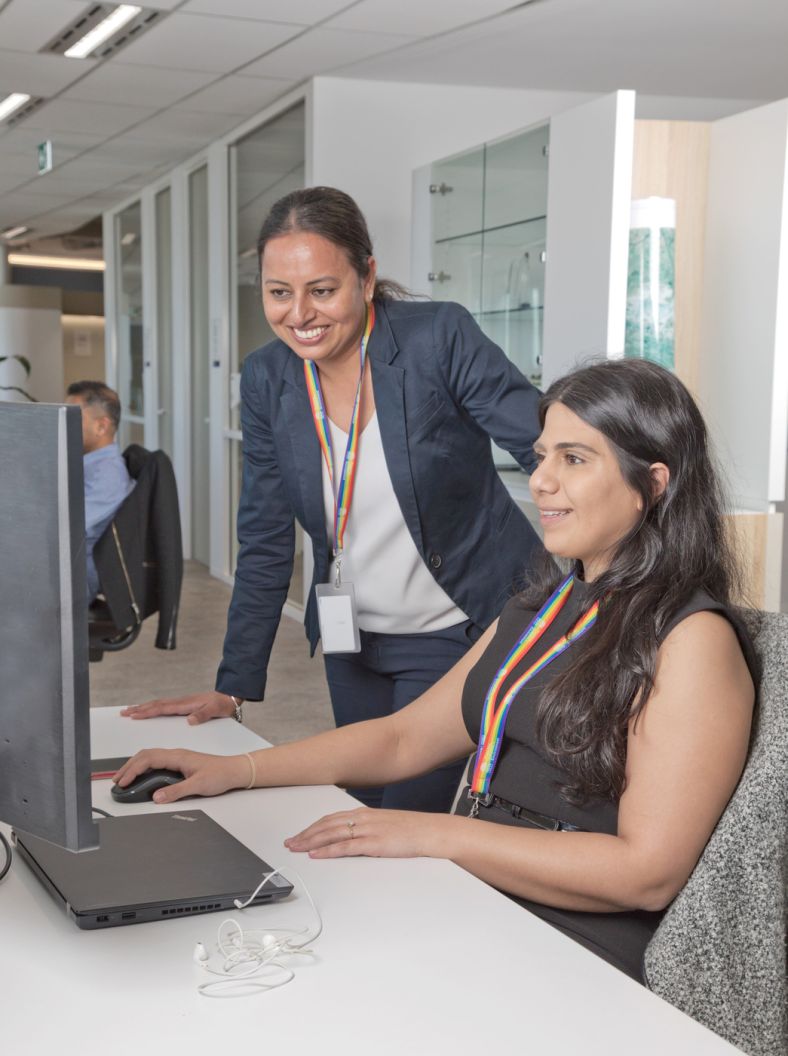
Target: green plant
pixel 15 388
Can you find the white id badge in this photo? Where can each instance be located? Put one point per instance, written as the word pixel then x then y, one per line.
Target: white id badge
pixel 336 614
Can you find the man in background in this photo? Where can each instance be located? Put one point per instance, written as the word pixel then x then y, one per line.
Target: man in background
pixel 107 480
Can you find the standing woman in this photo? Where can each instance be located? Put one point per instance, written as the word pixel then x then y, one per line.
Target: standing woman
pixel 369 421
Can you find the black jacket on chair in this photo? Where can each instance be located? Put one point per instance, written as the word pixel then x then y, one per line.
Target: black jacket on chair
pixel 139 558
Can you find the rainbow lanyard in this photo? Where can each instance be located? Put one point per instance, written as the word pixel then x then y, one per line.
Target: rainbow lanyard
pixel 343 495
pixel 494 715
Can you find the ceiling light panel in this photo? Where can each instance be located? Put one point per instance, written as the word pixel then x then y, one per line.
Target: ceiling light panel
pixel 16 107
pixel 14 232
pixel 13 102
pixel 29 260
pixel 108 27
pixel 102 30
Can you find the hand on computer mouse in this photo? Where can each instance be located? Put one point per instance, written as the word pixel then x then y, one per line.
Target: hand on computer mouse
pixel 143 787
pixel 197 774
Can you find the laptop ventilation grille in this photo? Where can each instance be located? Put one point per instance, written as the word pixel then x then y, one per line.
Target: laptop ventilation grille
pixel 191 909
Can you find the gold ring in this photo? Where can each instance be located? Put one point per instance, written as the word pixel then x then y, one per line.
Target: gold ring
pixel 351 825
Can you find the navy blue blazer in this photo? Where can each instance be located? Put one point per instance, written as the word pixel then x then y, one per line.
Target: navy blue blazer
pixel 442 390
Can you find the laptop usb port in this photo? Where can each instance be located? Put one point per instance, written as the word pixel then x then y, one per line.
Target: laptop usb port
pixel 102 920
pixel 128 916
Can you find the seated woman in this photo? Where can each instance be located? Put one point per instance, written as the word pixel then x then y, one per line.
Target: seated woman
pixel 609 705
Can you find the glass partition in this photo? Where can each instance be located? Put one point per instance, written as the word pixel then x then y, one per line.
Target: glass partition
pixel 264 166
pixel 200 363
pixel 489 227
pixel 130 323
pixel 163 208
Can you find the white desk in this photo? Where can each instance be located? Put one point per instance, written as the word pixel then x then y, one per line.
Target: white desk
pixel 416 957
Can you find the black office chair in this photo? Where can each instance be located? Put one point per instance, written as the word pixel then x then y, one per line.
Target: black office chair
pixel 139 559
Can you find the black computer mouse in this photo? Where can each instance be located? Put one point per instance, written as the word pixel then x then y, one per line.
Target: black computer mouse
pixel 143 787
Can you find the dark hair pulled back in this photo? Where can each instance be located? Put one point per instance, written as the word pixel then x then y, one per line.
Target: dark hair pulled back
pixel 333 215
pixel 679 546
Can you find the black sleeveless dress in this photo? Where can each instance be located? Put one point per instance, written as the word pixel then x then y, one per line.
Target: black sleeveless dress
pixel 524 776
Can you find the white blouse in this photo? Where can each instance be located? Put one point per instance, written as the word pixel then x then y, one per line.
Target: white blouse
pixel 395 591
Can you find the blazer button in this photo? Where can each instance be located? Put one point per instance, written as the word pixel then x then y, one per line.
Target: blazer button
pixel 435 560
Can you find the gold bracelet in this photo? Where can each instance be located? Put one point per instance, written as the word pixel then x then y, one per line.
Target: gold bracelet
pixel 253 778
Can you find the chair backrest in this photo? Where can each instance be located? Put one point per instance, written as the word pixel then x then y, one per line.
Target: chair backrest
pixel 139 558
pixel 719 953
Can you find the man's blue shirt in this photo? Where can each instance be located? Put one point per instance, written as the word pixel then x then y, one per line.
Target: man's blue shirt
pixel 107 483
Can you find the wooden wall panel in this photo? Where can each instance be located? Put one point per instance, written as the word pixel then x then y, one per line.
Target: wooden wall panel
pixel 758 539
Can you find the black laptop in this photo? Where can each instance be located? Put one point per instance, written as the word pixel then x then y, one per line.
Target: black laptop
pixel 151 867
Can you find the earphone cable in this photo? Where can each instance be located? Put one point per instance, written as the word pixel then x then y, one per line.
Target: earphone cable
pixel 9 854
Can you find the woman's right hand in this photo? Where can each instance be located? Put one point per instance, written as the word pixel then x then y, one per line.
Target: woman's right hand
pixel 204 775
pixel 199 707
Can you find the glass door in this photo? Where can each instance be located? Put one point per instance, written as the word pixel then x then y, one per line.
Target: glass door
pixel 130 324
pixel 489 229
pixel 263 167
pixel 489 222
pixel 164 310
pixel 200 364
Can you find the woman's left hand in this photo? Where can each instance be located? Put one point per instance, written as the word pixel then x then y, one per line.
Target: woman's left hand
pixel 374 832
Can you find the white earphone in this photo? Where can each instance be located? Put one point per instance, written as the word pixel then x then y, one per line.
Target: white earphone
pixel 248 960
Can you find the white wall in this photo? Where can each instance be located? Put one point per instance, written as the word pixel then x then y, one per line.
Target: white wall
pixel 33 331
pixel 369 136
pixel 743 382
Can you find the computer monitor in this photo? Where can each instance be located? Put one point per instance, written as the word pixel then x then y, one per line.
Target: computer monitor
pixel 44 702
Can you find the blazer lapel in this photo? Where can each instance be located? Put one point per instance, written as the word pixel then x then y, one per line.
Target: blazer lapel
pixel 306 451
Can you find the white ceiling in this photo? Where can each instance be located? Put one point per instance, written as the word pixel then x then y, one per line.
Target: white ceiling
pixel 209 64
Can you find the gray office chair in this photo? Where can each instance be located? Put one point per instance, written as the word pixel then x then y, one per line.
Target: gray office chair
pixel 719 954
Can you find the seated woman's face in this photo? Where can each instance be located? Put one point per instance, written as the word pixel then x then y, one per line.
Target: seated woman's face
pixel 585 505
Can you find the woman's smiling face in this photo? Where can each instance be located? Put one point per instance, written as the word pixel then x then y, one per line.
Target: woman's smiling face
pixel 586 507
pixel 313 298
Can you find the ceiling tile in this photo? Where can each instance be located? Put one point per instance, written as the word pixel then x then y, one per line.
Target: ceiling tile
pixel 85 181
pixel 320 50
pixel 132 148
pixel 27 25
pixel 18 148
pixel 202 42
pixel 10 179
pixel 118 82
pixel 236 95
pixel 185 126
pixel 38 74
pixel 416 17
pixel 18 167
pixel 76 116
pixel 27 202
pixel 306 12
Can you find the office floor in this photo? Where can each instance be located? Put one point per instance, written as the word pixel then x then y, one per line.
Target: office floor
pixel 296 702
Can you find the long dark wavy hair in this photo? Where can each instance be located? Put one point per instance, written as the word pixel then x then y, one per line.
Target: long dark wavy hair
pixel 679 545
pixel 333 215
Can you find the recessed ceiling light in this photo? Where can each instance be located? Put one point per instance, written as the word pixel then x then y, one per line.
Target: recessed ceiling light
pixel 14 232
pixel 11 103
pixel 30 260
pixel 103 31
